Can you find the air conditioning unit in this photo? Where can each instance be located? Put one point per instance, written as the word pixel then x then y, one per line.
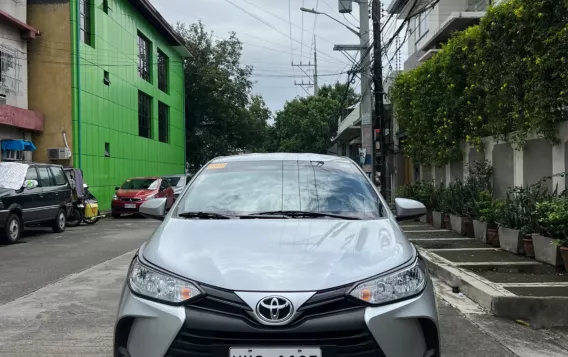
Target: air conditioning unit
pixel 58 154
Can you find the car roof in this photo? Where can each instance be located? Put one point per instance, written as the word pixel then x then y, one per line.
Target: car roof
pixel 34 163
pixel 280 157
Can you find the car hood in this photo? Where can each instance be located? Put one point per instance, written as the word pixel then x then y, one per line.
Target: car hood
pixel 278 254
pixel 4 192
pixel 134 193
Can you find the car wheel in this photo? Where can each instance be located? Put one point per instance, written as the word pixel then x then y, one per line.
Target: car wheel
pixel 60 221
pixel 12 229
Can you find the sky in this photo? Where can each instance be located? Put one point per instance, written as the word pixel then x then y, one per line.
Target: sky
pixel 276 33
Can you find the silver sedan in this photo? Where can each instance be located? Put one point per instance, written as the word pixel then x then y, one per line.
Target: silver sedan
pixel 270 255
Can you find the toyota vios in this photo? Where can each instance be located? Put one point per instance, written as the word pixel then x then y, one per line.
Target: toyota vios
pixel 278 255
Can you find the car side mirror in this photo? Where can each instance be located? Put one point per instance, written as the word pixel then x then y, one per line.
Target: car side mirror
pixel 29 184
pixel 406 209
pixel 155 209
pixel 116 188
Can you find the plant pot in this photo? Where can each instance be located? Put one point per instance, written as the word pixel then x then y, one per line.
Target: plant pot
pixel 429 216
pixel 456 223
pixel 437 219
pixel 546 251
pixel 447 222
pixel 564 253
pixel 422 219
pixel 468 227
pixel 528 246
pixel 480 230
pixel 493 237
pixel 511 240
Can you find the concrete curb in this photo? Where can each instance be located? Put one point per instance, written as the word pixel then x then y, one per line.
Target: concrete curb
pixel 542 312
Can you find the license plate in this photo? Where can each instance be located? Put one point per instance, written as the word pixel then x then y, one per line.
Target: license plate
pixel 130 205
pixel 275 352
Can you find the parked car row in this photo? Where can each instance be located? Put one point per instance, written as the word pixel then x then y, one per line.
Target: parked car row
pixel 135 191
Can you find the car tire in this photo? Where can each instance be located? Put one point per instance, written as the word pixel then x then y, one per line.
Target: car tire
pixel 12 229
pixel 60 222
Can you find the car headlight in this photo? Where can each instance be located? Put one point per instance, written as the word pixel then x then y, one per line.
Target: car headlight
pixel 155 285
pixel 115 198
pixel 151 197
pixel 396 286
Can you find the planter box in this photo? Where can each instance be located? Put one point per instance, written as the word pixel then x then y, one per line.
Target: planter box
pixel 545 251
pixel 480 231
pixel 457 224
pixel 511 240
pixel 437 219
pixel 423 219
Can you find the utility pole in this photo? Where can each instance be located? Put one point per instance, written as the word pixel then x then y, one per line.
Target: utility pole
pixel 315 76
pixel 316 88
pixel 367 134
pixel 379 95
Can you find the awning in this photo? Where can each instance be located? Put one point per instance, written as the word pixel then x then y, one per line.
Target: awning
pixel 18 145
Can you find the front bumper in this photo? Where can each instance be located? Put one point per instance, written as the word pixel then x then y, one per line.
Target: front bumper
pixel 341 328
pixel 119 206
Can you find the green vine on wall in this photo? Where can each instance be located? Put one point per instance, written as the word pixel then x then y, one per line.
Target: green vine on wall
pixel 507 75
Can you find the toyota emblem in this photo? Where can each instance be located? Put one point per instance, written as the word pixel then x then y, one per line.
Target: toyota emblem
pixel 274 309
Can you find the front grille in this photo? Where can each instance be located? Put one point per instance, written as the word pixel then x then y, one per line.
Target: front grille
pixel 349 343
pixel 222 320
pixel 131 199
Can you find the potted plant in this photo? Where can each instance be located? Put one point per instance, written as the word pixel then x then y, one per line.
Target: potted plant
pixel 551 241
pixel 438 207
pixel 485 226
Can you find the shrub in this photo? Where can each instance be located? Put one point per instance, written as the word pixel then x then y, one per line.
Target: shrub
pixel 552 218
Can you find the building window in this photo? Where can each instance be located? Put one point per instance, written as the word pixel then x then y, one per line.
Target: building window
pixel 162 71
pixel 144 115
pixel 107 149
pixel 10 68
pixel 164 122
pixel 105 6
pixel 85 19
pixel 106 78
pixel 143 58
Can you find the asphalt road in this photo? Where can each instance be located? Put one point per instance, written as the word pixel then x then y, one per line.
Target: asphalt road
pixel 59 293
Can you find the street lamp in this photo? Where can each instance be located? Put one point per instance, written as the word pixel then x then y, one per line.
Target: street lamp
pixel 312 11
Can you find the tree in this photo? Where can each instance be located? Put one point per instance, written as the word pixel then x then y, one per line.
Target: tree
pixel 309 124
pixel 222 116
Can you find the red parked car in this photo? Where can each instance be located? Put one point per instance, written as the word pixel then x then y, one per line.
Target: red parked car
pixel 136 191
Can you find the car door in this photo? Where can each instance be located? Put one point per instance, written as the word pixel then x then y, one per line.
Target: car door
pixel 62 187
pixel 50 202
pixel 31 199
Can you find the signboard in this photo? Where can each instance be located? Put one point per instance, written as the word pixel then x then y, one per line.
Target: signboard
pixel 366 119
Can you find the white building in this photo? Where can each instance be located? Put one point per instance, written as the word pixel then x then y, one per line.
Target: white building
pixel 16 121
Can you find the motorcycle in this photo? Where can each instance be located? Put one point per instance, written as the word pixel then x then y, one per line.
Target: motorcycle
pixel 85 207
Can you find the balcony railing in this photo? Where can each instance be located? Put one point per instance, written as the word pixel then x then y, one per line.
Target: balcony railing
pixel 478 5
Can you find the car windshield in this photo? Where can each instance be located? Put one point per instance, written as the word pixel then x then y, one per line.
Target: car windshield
pixel 140 184
pixel 247 187
pixel 173 180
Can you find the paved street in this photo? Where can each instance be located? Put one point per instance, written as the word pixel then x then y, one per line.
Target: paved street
pixel 59 293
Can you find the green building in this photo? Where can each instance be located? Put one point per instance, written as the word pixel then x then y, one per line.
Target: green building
pixel 111 88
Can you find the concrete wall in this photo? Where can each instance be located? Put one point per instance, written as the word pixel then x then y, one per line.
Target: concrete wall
pixel 440 175
pixel 456 170
pixel 50 81
pixel 537 162
pixel 503 171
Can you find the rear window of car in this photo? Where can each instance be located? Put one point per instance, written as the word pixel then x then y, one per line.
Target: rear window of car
pixel 140 184
pixel 173 180
pixel 58 176
pixel 245 187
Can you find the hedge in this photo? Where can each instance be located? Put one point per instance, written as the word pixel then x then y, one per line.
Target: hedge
pixel 507 75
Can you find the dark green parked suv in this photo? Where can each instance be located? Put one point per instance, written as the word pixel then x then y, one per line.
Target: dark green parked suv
pixel 32 194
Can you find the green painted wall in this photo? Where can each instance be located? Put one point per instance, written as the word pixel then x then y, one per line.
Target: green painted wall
pixel 110 113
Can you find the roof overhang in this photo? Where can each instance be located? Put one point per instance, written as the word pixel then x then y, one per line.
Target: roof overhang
pixel 407 9
pixel 456 21
pixel 348 134
pixel 27 32
pixel 145 8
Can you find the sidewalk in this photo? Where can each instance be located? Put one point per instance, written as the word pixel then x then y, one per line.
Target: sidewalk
pixel 504 284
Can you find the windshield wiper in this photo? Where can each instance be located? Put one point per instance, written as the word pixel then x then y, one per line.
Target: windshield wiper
pixel 204 215
pixel 304 214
